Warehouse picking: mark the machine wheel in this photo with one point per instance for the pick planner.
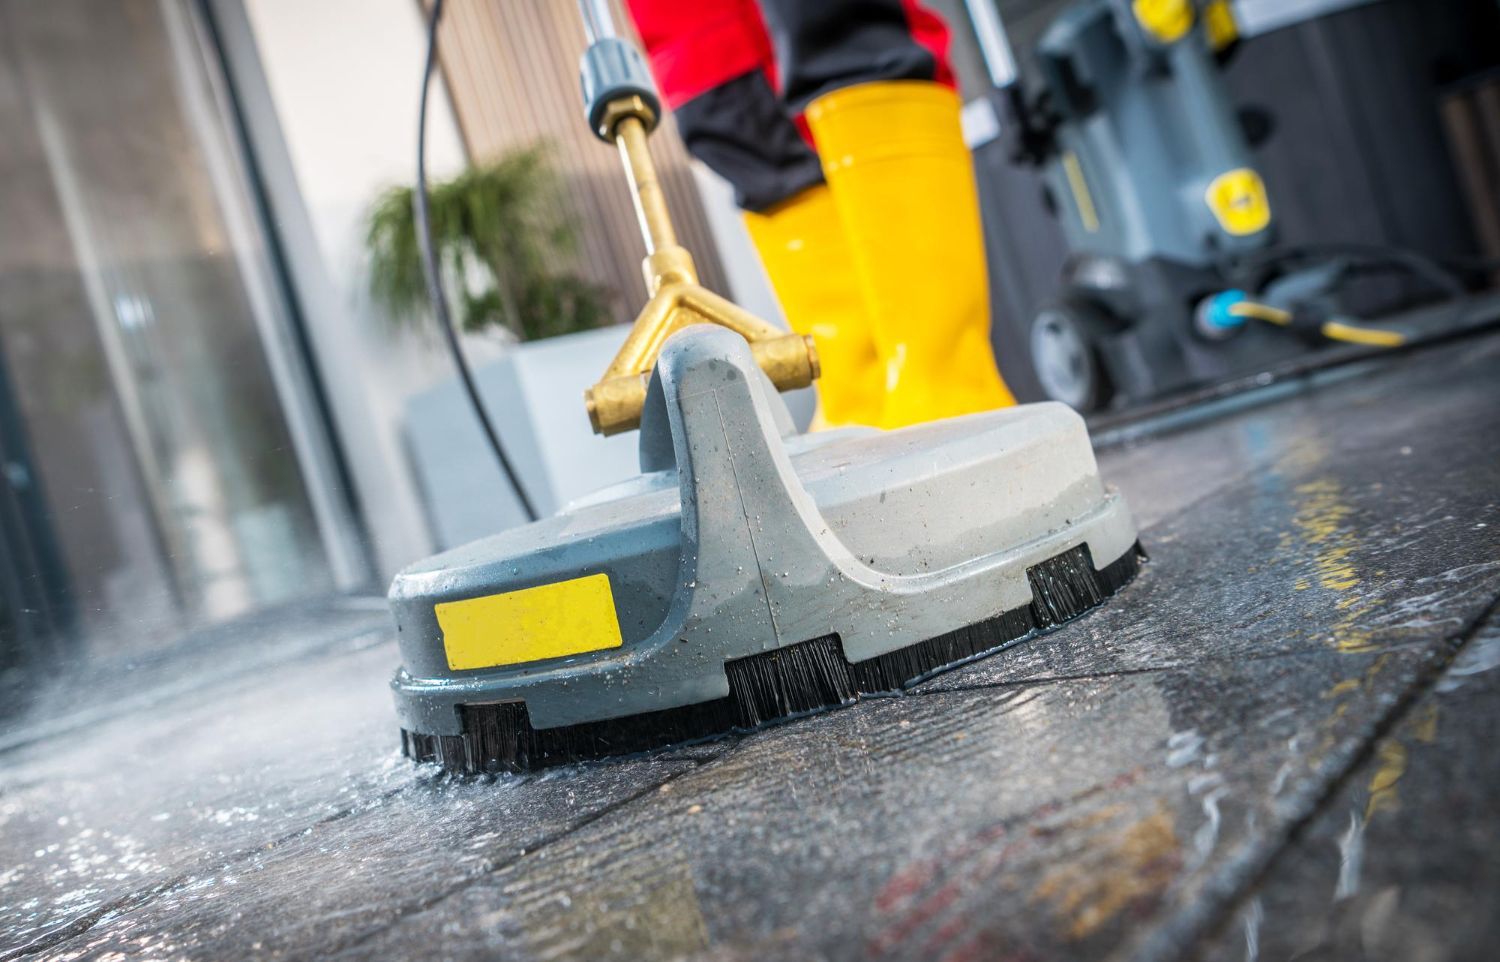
(1065, 354)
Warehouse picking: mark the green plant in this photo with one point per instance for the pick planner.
(503, 238)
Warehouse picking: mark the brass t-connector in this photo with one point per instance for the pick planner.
(677, 299)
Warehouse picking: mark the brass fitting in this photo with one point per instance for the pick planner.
(677, 299)
(614, 404)
(669, 265)
(617, 110)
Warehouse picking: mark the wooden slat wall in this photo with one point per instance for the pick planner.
(512, 72)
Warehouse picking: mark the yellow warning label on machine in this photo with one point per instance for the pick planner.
(1238, 200)
(1165, 21)
(514, 627)
(1218, 23)
(1082, 199)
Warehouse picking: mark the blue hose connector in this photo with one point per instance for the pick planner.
(1213, 318)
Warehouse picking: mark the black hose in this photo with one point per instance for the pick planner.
(1420, 265)
(1471, 264)
(434, 278)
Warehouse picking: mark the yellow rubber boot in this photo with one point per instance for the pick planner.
(801, 243)
(904, 186)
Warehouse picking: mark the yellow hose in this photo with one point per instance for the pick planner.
(1263, 312)
(1333, 330)
(1349, 333)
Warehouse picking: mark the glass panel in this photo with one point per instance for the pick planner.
(132, 329)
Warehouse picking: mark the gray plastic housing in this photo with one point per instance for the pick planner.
(755, 538)
(1148, 126)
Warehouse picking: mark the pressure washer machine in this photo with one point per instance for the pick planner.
(1148, 168)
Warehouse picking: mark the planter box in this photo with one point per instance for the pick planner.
(534, 395)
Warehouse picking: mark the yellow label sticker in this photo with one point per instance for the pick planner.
(1238, 200)
(1165, 21)
(1218, 23)
(1082, 199)
(514, 627)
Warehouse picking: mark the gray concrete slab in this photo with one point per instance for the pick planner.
(235, 797)
(1136, 784)
(1404, 861)
(1064, 819)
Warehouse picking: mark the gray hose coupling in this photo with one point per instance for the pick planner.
(613, 70)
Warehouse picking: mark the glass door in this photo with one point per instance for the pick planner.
(149, 343)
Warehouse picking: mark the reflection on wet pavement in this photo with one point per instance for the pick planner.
(1272, 744)
(1402, 862)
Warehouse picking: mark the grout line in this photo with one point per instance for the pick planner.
(1187, 933)
(1037, 682)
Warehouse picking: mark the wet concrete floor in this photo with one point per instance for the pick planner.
(1277, 743)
